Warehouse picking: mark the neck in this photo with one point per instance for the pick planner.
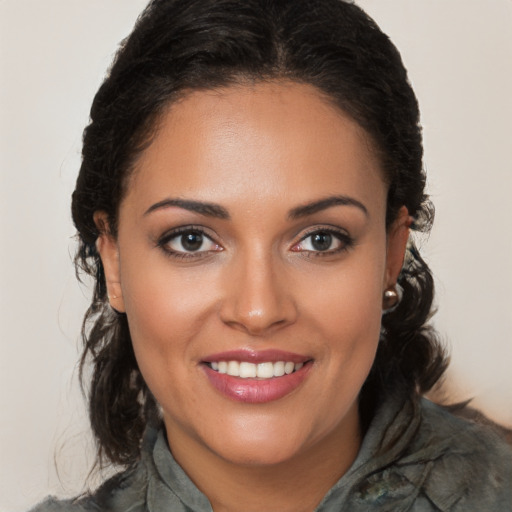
(295, 485)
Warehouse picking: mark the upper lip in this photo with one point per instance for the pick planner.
(256, 356)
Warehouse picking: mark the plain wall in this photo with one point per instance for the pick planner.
(54, 54)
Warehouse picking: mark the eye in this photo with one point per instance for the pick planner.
(328, 241)
(321, 241)
(187, 242)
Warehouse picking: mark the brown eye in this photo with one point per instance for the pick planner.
(324, 241)
(321, 241)
(190, 241)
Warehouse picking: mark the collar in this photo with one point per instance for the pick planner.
(169, 487)
(414, 453)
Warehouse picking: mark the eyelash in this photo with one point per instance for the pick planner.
(176, 233)
(346, 241)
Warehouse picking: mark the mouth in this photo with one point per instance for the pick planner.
(262, 371)
(256, 377)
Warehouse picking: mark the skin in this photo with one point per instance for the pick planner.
(259, 152)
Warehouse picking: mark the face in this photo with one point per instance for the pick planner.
(251, 260)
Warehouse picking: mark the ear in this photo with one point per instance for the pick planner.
(107, 247)
(397, 238)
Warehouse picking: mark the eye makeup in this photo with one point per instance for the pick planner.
(321, 241)
(193, 242)
(188, 242)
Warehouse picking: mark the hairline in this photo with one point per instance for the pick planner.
(144, 137)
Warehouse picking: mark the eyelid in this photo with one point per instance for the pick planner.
(163, 241)
(327, 228)
(341, 234)
(179, 230)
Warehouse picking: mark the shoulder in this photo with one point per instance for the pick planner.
(468, 466)
(124, 491)
(430, 460)
(454, 437)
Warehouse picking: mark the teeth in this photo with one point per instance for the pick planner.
(247, 370)
(233, 368)
(279, 369)
(265, 370)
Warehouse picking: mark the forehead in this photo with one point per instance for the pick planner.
(249, 142)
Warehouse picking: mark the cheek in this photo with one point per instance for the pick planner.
(166, 308)
(345, 313)
(348, 303)
(169, 312)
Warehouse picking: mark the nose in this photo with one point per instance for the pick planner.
(258, 298)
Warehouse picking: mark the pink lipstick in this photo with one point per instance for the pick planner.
(256, 376)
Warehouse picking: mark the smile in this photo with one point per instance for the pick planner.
(256, 377)
(265, 370)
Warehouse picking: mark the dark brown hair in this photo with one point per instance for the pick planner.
(182, 45)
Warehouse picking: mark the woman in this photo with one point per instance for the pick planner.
(258, 331)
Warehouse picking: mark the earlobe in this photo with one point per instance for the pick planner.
(396, 245)
(107, 248)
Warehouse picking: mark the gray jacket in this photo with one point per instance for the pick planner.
(415, 457)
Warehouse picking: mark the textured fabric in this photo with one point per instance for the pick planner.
(414, 458)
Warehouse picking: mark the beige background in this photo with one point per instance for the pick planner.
(53, 56)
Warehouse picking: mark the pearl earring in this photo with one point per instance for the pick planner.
(390, 299)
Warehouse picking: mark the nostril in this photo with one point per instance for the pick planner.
(256, 325)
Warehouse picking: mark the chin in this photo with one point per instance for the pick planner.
(267, 440)
(258, 452)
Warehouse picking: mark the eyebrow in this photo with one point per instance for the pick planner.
(323, 204)
(217, 211)
(203, 208)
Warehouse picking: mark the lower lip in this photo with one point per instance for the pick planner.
(257, 391)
